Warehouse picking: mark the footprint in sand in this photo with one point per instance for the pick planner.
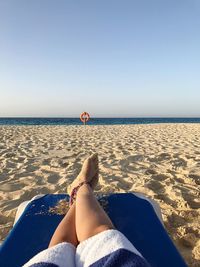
(31, 168)
(128, 165)
(193, 203)
(160, 177)
(21, 174)
(150, 171)
(188, 240)
(175, 220)
(159, 157)
(46, 162)
(57, 163)
(155, 186)
(11, 187)
(11, 165)
(135, 158)
(195, 178)
(163, 156)
(3, 176)
(39, 180)
(53, 178)
(12, 204)
(4, 219)
(28, 194)
(166, 199)
(179, 162)
(121, 182)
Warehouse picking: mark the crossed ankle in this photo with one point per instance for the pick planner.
(85, 186)
(82, 187)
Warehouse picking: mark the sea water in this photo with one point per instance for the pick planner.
(93, 121)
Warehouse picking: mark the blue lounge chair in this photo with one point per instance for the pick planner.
(136, 217)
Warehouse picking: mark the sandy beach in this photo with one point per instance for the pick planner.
(161, 161)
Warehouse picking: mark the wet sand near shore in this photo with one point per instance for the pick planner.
(159, 160)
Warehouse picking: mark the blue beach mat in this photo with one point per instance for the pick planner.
(132, 215)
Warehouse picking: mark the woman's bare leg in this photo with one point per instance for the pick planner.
(91, 219)
(66, 231)
(86, 217)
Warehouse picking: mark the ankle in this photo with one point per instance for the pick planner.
(83, 187)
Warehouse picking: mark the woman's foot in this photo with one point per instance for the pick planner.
(89, 173)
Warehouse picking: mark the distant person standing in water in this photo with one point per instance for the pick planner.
(86, 236)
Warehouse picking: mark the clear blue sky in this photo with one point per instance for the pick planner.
(108, 57)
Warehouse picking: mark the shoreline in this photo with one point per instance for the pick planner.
(99, 125)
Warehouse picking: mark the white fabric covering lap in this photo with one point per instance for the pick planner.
(87, 252)
(94, 248)
(62, 254)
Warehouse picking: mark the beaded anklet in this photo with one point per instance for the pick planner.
(74, 193)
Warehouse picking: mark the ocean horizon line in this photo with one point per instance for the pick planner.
(100, 117)
(94, 120)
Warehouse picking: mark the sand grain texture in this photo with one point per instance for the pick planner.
(161, 160)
